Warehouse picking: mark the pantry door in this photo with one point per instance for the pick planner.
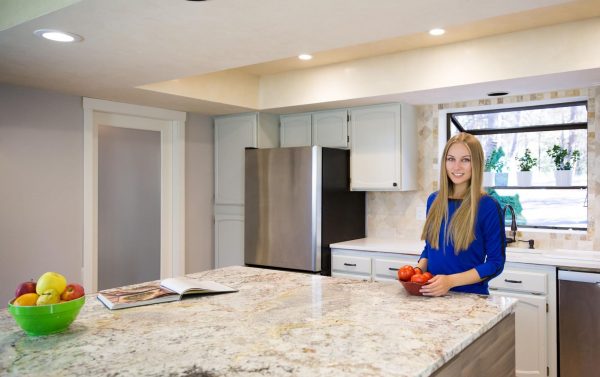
(133, 194)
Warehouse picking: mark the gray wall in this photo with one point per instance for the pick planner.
(41, 187)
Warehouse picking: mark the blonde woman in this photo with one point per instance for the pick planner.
(464, 230)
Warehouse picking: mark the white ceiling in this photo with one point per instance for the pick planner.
(129, 43)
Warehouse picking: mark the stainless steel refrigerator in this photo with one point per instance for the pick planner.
(297, 202)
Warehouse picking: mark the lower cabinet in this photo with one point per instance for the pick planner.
(229, 240)
(535, 288)
(367, 265)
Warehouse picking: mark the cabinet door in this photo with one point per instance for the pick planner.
(330, 128)
(531, 333)
(232, 135)
(296, 130)
(375, 159)
(229, 240)
(386, 269)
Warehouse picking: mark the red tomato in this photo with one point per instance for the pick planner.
(405, 273)
(418, 271)
(419, 278)
(428, 275)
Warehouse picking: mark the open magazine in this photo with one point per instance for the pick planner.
(171, 289)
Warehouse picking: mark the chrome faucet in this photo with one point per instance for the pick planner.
(513, 224)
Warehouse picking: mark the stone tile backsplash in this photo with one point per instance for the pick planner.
(401, 214)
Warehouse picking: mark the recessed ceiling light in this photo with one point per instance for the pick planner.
(57, 35)
(437, 31)
(497, 94)
(304, 57)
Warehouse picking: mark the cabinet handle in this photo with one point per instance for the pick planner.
(350, 264)
(392, 269)
(394, 184)
(513, 281)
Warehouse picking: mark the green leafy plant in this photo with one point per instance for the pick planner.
(563, 159)
(526, 162)
(494, 161)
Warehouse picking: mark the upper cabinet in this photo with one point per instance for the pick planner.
(296, 130)
(233, 134)
(322, 128)
(383, 148)
(330, 128)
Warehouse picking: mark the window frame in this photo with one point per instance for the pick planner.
(451, 121)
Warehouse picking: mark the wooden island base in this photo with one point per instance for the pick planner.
(493, 354)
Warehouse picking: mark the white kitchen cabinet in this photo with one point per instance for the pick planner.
(322, 128)
(233, 134)
(296, 130)
(351, 266)
(386, 268)
(229, 240)
(330, 128)
(367, 265)
(383, 148)
(535, 288)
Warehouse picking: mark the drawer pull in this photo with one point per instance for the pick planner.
(513, 281)
(392, 269)
(350, 264)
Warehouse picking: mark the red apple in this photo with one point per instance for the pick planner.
(71, 292)
(26, 287)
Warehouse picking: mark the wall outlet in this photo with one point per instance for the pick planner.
(421, 215)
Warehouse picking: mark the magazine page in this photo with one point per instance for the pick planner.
(184, 285)
(136, 295)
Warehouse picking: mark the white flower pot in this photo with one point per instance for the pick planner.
(563, 177)
(524, 178)
(501, 179)
(488, 179)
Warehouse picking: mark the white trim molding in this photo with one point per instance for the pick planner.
(172, 254)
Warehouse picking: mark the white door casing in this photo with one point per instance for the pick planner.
(172, 131)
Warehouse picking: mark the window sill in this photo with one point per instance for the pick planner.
(548, 231)
(534, 187)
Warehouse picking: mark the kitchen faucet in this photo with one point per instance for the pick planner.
(513, 224)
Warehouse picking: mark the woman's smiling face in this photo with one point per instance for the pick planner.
(458, 167)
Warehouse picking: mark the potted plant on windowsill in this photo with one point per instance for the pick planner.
(564, 161)
(526, 162)
(495, 163)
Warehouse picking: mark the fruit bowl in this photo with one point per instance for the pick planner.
(46, 319)
(412, 287)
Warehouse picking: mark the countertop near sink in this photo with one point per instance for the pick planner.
(278, 324)
(559, 258)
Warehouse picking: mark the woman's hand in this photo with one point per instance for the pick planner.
(438, 285)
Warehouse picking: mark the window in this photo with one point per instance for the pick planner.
(549, 141)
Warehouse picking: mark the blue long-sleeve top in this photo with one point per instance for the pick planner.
(487, 253)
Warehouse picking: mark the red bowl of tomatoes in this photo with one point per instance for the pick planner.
(412, 279)
(412, 287)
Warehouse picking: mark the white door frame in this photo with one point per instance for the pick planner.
(172, 206)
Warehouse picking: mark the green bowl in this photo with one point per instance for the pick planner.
(46, 319)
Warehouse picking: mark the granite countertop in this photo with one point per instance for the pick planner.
(556, 257)
(278, 324)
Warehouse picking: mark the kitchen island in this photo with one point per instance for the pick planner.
(278, 324)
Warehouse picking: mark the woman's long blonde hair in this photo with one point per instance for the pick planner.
(461, 230)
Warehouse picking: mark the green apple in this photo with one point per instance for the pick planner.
(49, 296)
(51, 280)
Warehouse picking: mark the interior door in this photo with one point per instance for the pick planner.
(129, 200)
